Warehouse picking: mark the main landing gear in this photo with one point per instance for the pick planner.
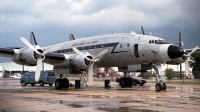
(160, 85)
(61, 83)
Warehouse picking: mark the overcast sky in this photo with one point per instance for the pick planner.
(53, 20)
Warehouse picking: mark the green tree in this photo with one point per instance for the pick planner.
(196, 65)
(169, 73)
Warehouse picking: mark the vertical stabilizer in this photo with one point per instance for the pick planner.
(32, 39)
(71, 37)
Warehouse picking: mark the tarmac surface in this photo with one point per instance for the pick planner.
(177, 98)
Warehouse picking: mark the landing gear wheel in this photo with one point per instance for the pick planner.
(50, 84)
(23, 83)
(158, 87)
(65, 83)
(32, 84)
(134, 83)
(58, 84)
(123, 83)
(164, 86)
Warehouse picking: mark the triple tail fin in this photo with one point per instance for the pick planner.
(32, 39)
(71, 37)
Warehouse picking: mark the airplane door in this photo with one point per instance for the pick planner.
(136, 53)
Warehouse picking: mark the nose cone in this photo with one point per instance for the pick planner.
(175, 52)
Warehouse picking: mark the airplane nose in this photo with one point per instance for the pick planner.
(175, 52)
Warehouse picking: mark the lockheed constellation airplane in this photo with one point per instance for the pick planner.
(129, 52)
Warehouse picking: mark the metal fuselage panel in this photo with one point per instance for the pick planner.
(124, 49)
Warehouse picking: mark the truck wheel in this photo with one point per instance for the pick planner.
(41, 83)
(50, 84)
(32, 84)
(23, 83)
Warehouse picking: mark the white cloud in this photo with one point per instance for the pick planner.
(86, 16)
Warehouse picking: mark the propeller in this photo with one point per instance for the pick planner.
(186, 57)
(40, 56)
(92, 61)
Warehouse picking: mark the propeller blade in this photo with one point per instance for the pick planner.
(80, 53)
(193, 50)
(90, 74)
(53, 49)
(38, 69)
(29, 45)
(101, 53)
(186, 68)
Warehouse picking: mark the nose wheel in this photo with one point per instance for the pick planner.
(160, 85)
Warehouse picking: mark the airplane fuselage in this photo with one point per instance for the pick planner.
(124, 49)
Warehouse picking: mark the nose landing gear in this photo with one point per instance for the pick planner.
(160, 85)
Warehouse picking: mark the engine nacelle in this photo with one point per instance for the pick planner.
(135, 68)
(176, 61)
(27, 56)
(74, 61)
(77, 61)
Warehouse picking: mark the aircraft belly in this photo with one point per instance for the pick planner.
(120, 59)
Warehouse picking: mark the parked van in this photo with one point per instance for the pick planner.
(45, 78)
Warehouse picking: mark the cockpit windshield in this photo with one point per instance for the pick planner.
(159, 41)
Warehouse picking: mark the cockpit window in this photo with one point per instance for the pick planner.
(150, 41)
(158, 41)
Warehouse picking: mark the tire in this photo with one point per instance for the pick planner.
(123, 83)
(65, 83)
(41, 83)
(58, 84)
(164, 86)
(23, 83)
(32, 84)
(50, 84)
(134, 83)
(141, 84)
(158, 87)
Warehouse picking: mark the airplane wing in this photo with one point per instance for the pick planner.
(7, 52)
(52, 58)
(189, 50)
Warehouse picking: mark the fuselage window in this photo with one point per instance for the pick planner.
(120, 45)
(156, 41)
(152, 41)
(128, 45)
